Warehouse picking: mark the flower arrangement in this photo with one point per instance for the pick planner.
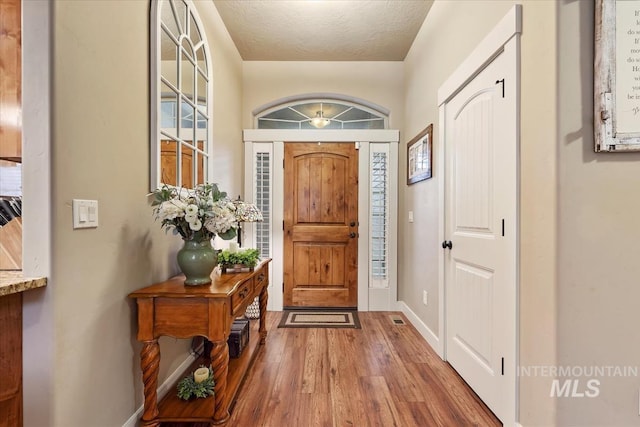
(197, 214)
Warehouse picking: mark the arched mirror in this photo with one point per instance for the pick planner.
(181, 93)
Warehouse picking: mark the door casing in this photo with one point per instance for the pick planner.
(369, 299)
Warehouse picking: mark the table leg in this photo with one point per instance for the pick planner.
(264, 296)
(150, 364)
(220, 368)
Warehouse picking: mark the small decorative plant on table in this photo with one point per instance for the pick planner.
(199, 384)
(240, 260)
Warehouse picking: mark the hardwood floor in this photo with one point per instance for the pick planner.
(381, 375)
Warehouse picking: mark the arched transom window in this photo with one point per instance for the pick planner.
(321, 114)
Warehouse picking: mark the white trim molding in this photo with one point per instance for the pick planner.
(368, 298)
(329, 135)
(487, 49)
(38, 316)
(424, 330)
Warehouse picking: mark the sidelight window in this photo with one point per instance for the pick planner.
(379, 216)
(262, 198)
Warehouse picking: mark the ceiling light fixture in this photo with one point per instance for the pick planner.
(319, 120)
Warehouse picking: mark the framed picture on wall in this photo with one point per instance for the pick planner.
(419, 156)
(617, 76)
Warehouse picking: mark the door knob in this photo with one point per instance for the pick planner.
(352, 235)
(352, 224)
(447, 244)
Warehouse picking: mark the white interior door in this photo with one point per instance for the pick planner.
(480, 232)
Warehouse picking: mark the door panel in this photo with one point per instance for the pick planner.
(320, 244)
(480, 267)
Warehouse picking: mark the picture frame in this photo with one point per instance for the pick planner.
(616, 64)
(420, 156)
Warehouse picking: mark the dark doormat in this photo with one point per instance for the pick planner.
(320, 319)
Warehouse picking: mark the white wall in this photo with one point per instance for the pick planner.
(37, 313)
(450, 32)
(100, 150)
(598, 238)
(377, 82)
(433, 56)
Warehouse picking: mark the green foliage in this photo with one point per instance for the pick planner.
(197, 214)
(248, 257)
(188, 387)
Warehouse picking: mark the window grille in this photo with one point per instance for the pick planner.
(337, 115)
(379, 221)
(263, 201)
(182, 92)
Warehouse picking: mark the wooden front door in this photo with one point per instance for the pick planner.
(320, 225)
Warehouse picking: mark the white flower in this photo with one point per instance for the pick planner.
(191, 210)
(196, 225)
(191, 218)
(200, 213)
(222, 219)
(171, 209)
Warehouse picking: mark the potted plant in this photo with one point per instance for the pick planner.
(197, 215)
(242, 259)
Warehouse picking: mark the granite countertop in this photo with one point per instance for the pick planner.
(12, 282)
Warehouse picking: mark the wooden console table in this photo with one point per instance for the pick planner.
(170, 308)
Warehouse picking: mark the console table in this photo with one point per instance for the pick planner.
(170, 308)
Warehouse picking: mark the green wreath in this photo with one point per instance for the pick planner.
(188, 387)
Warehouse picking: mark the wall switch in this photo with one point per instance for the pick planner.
(85, 213)
(425, 297)
(410, 216)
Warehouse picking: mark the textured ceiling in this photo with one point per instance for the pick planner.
(323, 30)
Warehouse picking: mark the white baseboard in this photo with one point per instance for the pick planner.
(431, 338)
(162, 390)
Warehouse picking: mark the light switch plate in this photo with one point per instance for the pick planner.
(85, 213)
(410, 216)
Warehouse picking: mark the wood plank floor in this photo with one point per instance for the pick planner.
(381, 375)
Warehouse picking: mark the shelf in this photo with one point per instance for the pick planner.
(172, 408)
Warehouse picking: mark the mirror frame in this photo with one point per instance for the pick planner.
(155, 74)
